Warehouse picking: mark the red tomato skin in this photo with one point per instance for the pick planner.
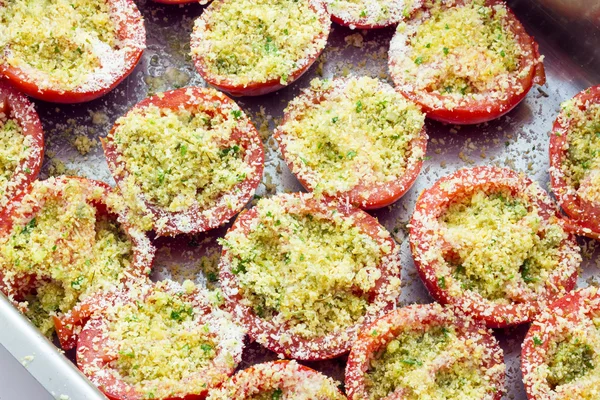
(367, 345)
(16, 105)
(299, 348)
(476, 112)
(583, 216)
(252, 89)
(256, 156)
(30, 87)
(533, 354)
(256, 88)
(386, 194)
(435, 200)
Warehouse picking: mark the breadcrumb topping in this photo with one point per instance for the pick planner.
(164, 340)
(349, 133)
(180, 158)
(255, 41)
(501, 245)
(436, 364)
(306, 271)
(370, 12)
(14, 148)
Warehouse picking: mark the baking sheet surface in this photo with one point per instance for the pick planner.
(518, 140)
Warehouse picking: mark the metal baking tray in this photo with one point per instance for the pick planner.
(568, 32)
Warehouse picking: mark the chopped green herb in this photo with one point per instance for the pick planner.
(412, 361)
(206, 347)
(442, 281)
(76, 284)
(29, 227)
(359, 106)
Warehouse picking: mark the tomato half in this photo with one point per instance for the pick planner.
(470, 110)
(565, 316)
(255, 88)
(97, 353)
(16, 106)
(365, 195)
(584, 215)
(382, 297)
(142, 249)
(281, 379)
(364, 15)
(374, 339)
(131, 38)
(425, 240)
(198, 219)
